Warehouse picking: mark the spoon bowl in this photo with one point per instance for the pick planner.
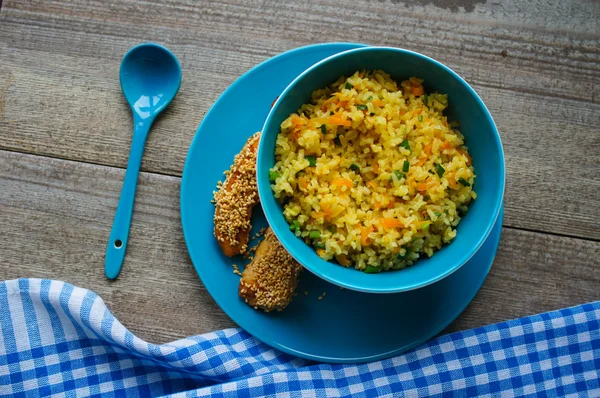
(150, 78)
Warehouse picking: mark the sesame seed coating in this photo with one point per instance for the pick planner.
(236, 270)
(235, 199)
(270, 280)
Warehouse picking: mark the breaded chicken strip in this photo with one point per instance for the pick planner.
(235, 200)
(270, 280)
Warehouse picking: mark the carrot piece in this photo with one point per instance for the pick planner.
(378, 102)
(377, 205)
(421, 187)
(343, 260)
(343, 182)
(327, 101)
(446, 145)
(326, 209)
(320, 252)
(452, 181)
(364, 236)
(469, 160)
(390, 205)
(421, 161)
(303, 183)
(427, 149)
(297, 121)
(317, 214)
(372, 184)
(338, 121)
(418, 91)
(391, 223)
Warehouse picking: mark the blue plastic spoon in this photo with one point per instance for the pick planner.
(150, 77)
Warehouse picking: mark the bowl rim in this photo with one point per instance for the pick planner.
(264, 187)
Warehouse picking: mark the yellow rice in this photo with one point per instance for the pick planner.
(390, 177)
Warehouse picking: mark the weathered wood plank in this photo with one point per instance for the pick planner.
(56, 216)
(544, 40)
(59, 76)
(534, 273)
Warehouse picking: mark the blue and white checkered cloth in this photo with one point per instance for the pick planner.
(61, 340)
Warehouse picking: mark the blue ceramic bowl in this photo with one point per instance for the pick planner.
(481, 136)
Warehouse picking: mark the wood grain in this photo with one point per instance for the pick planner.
(56, 217)
(61, 60)
(534, 273)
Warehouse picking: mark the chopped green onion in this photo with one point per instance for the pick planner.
(362, 107)
(426, 99)
(372, 113)
(399, 175)
(314, 234)
(319, 245)
(405, 255)
(426, 226)
(331, 228)
(420, 118)
(323, 129)
(370, 98)
(404, 144)
(273, 175)
(406, 166)
(462, 210)
(332, 113)
(354, 167)
(464, 182)
(311, 160)
(440, 170)
(426, 198)
(337, 141)
(431, 172)
(372, 270)
(295, 225)
(349, 86)
(437, 214)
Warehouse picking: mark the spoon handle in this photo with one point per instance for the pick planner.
(117, 242)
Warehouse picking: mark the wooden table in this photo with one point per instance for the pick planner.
(65, 131)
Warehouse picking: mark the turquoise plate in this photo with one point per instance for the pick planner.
(345, 326)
